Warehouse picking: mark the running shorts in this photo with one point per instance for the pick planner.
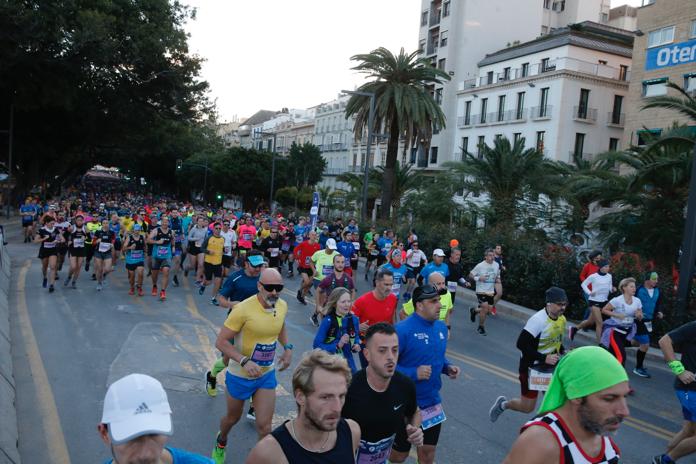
(46, 252)
(687, 399)
(103, 254)
(193, 249)
(524, 385)
(212, 270)
(305, 270)
(484, 298)
(243, 389)
(134, 266)
(78, 252)
(158, 263)
(226, 261)
(430, 437)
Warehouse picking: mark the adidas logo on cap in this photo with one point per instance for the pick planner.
(142, 409)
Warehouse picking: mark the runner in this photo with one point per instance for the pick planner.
(486, 274)
(623, 311)
(585, 403)
(134, 247)
(303, 254)
(196, 236)
(498, 250)
(176, 224)
(213, 248)
(230, 237)
(322, 266)
(346, 248)
(384, 244)
(63, 227)
(338, 331)
(597, 286)
(256, 324)
(684, 339)
(355, 258)
(162, 241)
(77, 235)
(649, 296)
(438, 281)
(436, 265)
(372, 253)
(398, 270)
(415, 260)
(115, 227)
(541, 345)
(336, 279)
(103, 243)
(287, 238)
(456, 273)
(318, 434)
(379, 305)
(270, 246)
(28, 213)
(383, 401)
(93, 226)
(422, 347)
(49, 237)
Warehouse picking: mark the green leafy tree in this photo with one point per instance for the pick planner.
(404, 106)
(304, 166)
(405, 181)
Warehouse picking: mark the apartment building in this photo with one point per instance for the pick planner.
(284, 126)
(563, 93)
(455, 34)
(664, 51)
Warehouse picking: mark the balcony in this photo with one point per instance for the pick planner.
(432, 47)
(337, 171)
(583, 156)
(615, 119)
(585, 114)
(463, 121)
(539, 113)
(333, 147)
(434, 17)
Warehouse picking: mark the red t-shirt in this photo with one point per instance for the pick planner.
(371, 310)
(303, 253)
(587, 270)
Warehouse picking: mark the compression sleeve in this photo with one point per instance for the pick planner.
(528, 345)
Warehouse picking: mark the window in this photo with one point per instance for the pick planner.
(506, 74)
(516, 137)
(424, 18)
(414, 155)
(644, 136)
(479, 146)
(605, 18)
(438, 96)
(613, 144)
(443, 38)
(484, 108)
(661, 37)
(543, 102)
(467, 113)
(445, 9)
(433, 155)
(441, 64)
(489, 77)
(525, 69)
(436, 128)
(547, 4)
(465, 147)
(501, 107)
(583, 103)
(545, 65)
(655, 87)
(616, 109)
(579, 144)
(540, 135)
(421, 45)
(498, 137)
(690, 82)
(519, 112)
(693, 28)
(544, 30)
(623, 72)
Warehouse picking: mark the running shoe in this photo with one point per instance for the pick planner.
(572, 331)
(300, 298)
(314, 320)
(175, 281)
(497, 408)
(87, 266)
(472, 314)
(149, 272)
(51, 289)
(309, 293)
(131, 291)
(74, 284)
(67, 281)
(154, 290)
(218, 452)
(99, 287)
(481, 330)
(214, 301)
(642, 372)
(494, 312)
(251, 414)
(45, 283)
(291, 274)
(94, 276)
(185, 272)
(210, 384)
(659, 459)
(163, 295)
(201, 289)
(140, 291)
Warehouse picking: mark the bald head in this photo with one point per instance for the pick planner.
(437, 280)
(270, 276)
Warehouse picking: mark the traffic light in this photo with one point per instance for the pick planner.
(219, 196)
(179, 164)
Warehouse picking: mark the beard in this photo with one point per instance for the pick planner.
(590, 422)
(317, 421)
(271, 300)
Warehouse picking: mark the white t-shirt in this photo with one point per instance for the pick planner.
(414, 257)
(491, 272)
(627, 310)
(601, 286)
(230, 238)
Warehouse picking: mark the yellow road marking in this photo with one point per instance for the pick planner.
(55, 440)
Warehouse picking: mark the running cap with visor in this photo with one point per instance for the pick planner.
(331, 244)
(425, 292)
(255, 260)
(438, 252)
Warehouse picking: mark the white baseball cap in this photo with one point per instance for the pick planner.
(136, 405)
(438, 252)
(331, 244)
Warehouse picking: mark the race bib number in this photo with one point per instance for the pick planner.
(299, 239)
(539, 380)
(432, 416)
(198, 243)
(648, 326)
(263, 355)
(78, 243)
(104, 247)
(374, 252)
(374, 453)
(177, 239)
(327, 270)
(285, 247)
(627, 320)
(274, 252)
(49, 244)
(396, 287)
(163, 252)
(246, 237)
(227, 250)
(451, 286)
(136, 255)
(356, 245)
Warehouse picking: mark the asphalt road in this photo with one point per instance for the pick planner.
(69, 345)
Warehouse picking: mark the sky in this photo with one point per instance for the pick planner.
(271, 54)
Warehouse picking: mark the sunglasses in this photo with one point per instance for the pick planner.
(218, 228)
(273, 287)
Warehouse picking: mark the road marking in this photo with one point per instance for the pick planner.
(55, 440)
(632, 422)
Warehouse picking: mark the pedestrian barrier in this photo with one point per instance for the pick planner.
(8, 416)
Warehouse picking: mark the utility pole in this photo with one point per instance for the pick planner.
(370, 125)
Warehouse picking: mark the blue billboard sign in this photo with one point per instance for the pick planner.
(671, 55)
(314, 211)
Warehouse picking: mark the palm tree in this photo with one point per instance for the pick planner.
(507, 173)
(403, 103)
(355, 188)
(406, 179)
(684, 104)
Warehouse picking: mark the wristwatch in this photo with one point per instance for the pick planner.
(288, 346)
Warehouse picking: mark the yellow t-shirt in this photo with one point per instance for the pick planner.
(323, 263)
(445, 301)
(257, 333)
(215, 246)
(263, 233)
(127, 223)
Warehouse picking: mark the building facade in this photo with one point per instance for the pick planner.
(563, 93)
(664, 51)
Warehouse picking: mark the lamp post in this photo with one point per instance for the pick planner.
(273, 159)
(180, 164)
(370, 124)
(10, 135)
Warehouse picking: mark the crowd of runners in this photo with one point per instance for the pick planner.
(370, 389)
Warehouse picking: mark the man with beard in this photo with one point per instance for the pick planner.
(383, 401)
(586, 402)
(318, 434)
(256, 325)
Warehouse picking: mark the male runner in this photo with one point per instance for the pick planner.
(162, 239)
(683, 338)
(103, 242)
(303, 254)
(422, 347)
(438, 281)
(415, 260)
(322, 266)
(230, 237)
(649, 296)
(270, 246)
(436, 265)
(28, 213)
(585, 403)
(77, 235)
(541, 344)
(384, 244)
(383, 401)
(398, 270)
(456, 273)
(256, 324)
(337, 278)
(486, 274)
(177, 226)
(134, 247)
(318, 434)
(346, 248)
(213, 248)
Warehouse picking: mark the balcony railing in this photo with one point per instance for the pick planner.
(463, 121)
(333, 147)
(584, 156)
(615, 119)
(540, 112)
(342, 170)
(434, 17)
(585, 114)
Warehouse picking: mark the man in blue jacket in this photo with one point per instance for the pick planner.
(649, 296)
(422, 347)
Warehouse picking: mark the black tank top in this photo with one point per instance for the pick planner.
(342, 452)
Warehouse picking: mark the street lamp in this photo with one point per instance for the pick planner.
(273, 159)
(370, 124)
(10, 134)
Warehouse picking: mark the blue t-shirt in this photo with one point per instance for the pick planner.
(346, 249)
(322, 240)
(384, 245)
(301, 233)
(239, 286)
(432, 267)
(25, 209)
(181, 457)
